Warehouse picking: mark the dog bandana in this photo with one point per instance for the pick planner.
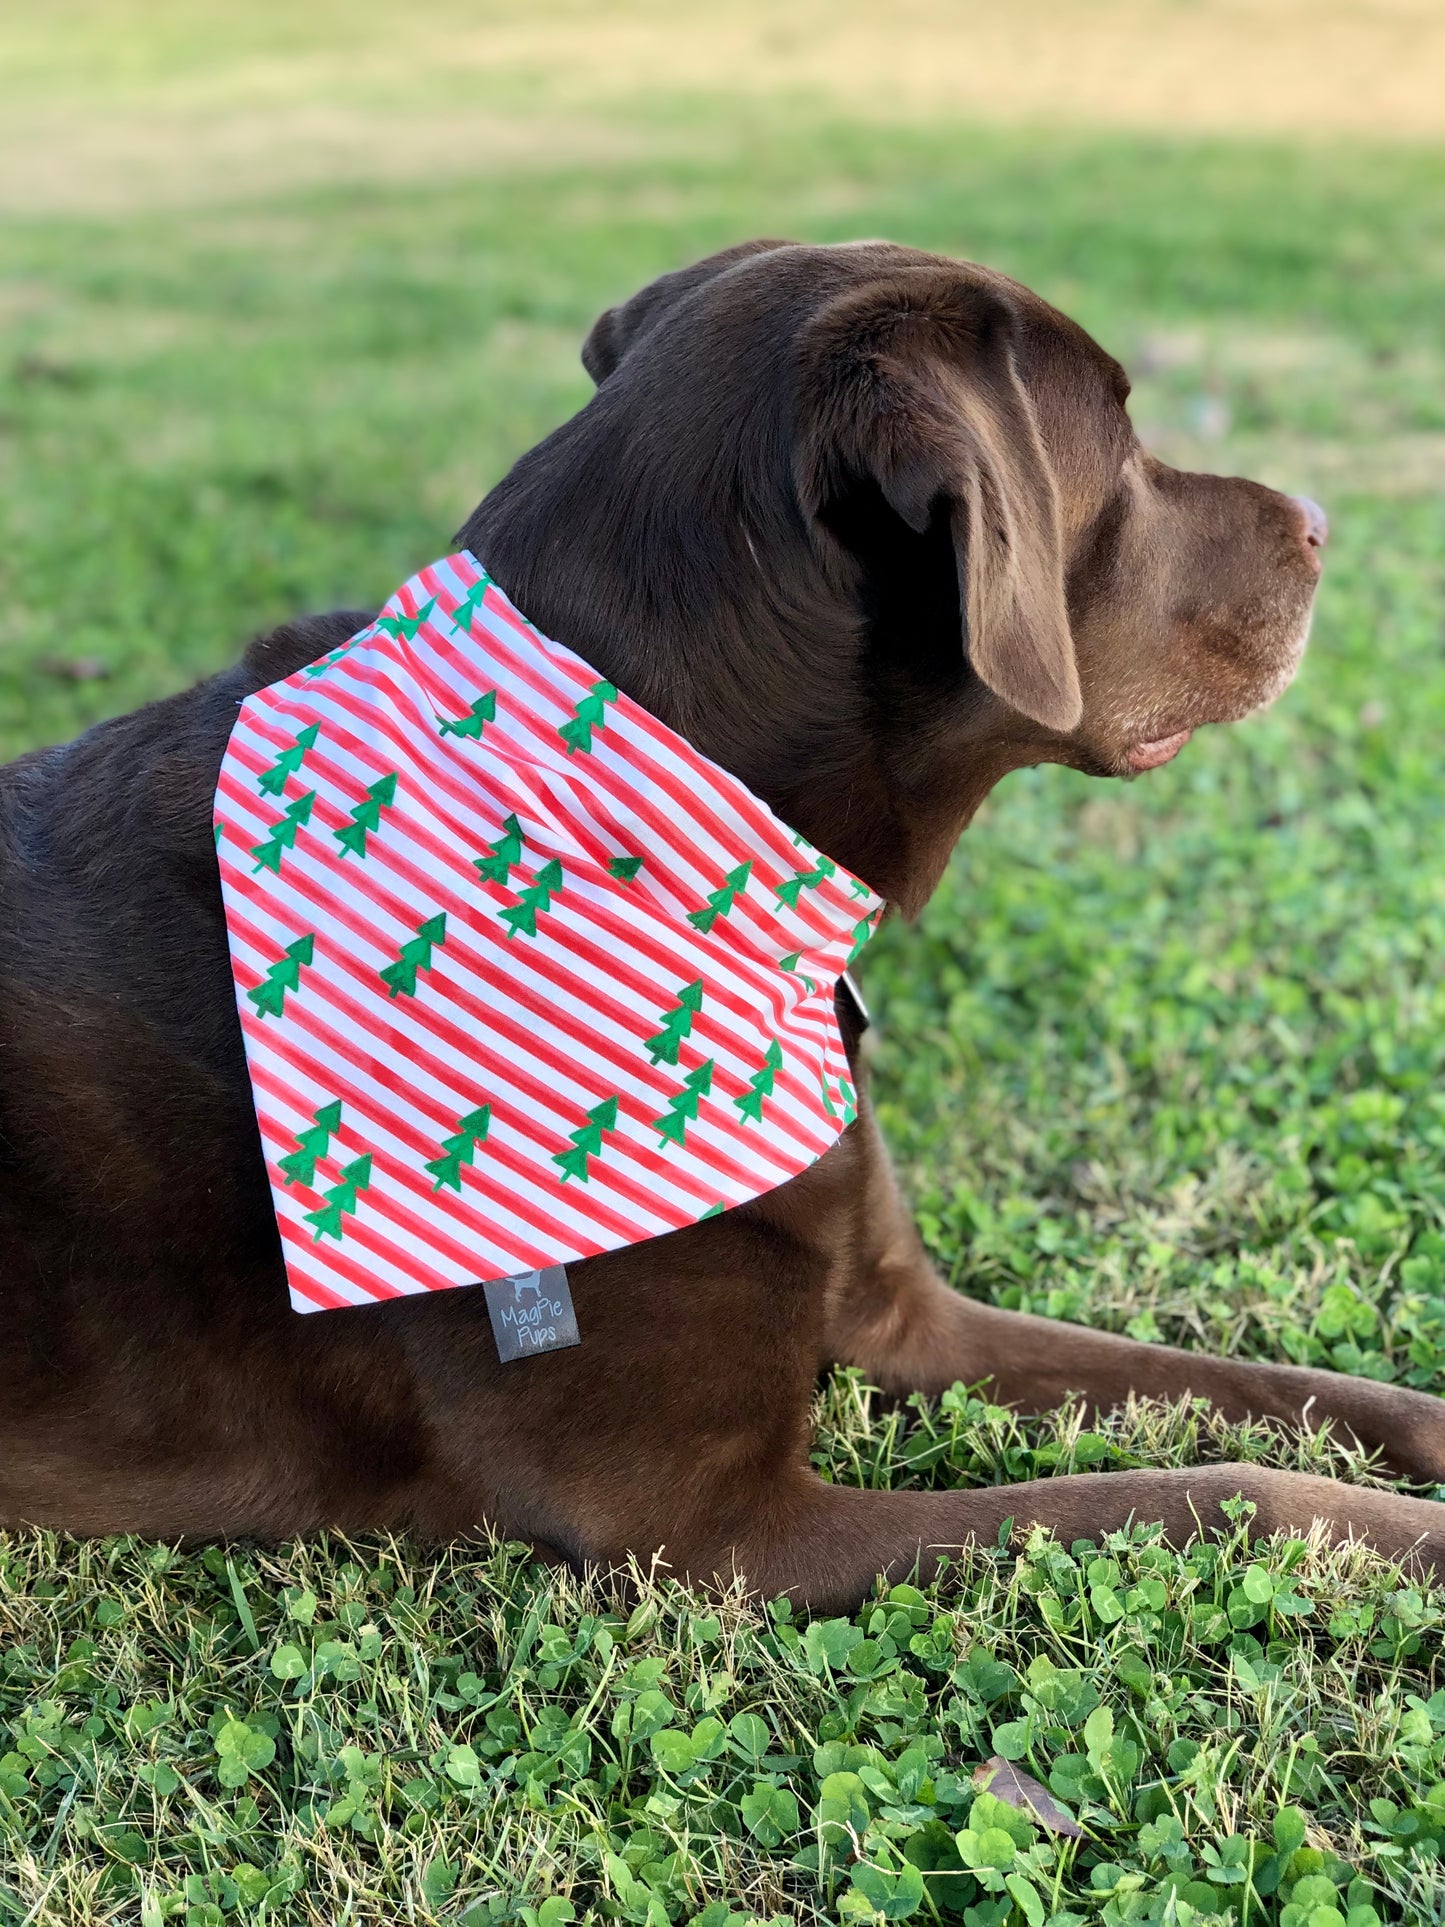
(523, 977)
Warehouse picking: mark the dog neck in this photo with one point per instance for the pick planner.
(752, 642)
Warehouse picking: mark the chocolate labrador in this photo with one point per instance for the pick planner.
(871, 528)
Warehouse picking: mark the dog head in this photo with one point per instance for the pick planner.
(872, 527)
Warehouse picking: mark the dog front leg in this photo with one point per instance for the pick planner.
(826, 1544)
(887, 1310)
(893, 1317)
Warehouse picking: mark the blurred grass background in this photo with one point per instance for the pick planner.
(283, 290)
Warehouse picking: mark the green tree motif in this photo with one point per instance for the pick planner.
(846, 1107)
(269, 996)
(366, 815)
(576, 732)
(482, 712)
(340, 1199)
(323, 663)
(760, 1084)
(861, 933)
(272, 781)
(624, 868)
(676, 1024)
(299, 1166)
(713, 1211)
(416, 954)
(281, 836)
(501, 855)
(858, 888)
(723, 898)
(469, 605)
(457, 1149)
(404, 628)
(535, 899)
(790, 965)
(789, 890)
(587, 1140)
(682, 1106)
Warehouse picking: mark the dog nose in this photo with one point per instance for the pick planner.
(1317, 523)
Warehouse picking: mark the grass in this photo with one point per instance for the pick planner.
(1164, 1056)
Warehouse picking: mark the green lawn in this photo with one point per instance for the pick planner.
(1164, 1056)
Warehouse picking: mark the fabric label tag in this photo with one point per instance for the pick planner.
(531, 1313)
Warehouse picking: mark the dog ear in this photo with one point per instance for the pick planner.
(602, 350)
(911, 383)
(618, 329)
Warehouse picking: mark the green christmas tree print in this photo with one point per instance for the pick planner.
(457, 1149)
(366, 815)
(340, 1199)
(624, 868)
(272, 781)
(789, 890)
(676, 1024)
(861, 933)
(269, 996)
(404, 628)
(299, 1166)
(501, 855)
(682, 1107)
(587, 1140)
(416, 954)
(576, 732)
(521, 918)
(760, 1084)
(790, 964)
(713, 1211)
(723, 898)
(281, 837)
(858, 887)
(846, 1106)
(323, 663)
(482, 712)
(465, 613)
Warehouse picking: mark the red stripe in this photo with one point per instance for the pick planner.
(812, 914)
(649, 727)
(446, 1120)
(784, 1013)
(411, 1264)
(394, 859)
(459, 916)
(756, 819)
(340, 1261)
(661, 826)
(785, 1018)
(478, 1053)
(540, 1223)
(754, 816)
(305, 1286)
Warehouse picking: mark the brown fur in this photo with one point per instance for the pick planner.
(871, 528)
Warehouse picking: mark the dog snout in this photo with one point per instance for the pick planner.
(1316, 530)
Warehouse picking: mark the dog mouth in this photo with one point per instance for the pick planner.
(1153, 755)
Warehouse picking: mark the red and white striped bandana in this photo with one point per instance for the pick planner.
(522, 976)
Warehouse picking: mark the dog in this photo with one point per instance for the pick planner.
(870, 528)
